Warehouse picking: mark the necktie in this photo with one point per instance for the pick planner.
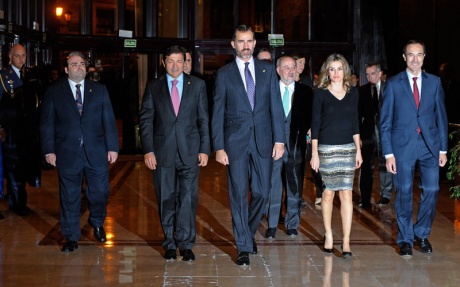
(175, 97)
(416, 96)
(375, 99)
(78, 98)
(250, 87)
(286, 101)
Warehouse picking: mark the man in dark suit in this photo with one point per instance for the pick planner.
(18, 118)
(370, 99)
(297, 102)
(413, 126)
(79, 135)
(174, 128)
(247, 133)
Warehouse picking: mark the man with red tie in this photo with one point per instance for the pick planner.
(413, 126)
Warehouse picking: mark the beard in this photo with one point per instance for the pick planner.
(245, 53)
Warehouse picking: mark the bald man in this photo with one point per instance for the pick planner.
(18, 107)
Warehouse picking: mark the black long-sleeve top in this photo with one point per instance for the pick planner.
(335, 121)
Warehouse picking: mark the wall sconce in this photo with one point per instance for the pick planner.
(67, 16)
(59, 11)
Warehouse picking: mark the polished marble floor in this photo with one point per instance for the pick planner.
(30, 246)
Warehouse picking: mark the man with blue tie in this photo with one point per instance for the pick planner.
(413, 126)
(247, 134)
(289, 170)
(79, 136)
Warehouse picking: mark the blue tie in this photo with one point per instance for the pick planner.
(250, 87)
(286, 101)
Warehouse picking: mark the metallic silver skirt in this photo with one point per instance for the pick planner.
(337, 165)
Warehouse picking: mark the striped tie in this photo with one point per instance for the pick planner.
(78, 98)
(250, 87)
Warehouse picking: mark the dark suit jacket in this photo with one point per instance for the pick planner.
(300, 118)
(368, 112)
(8, 106)
(399, 117)
(61, 125)
(188, 133)
(233, 120)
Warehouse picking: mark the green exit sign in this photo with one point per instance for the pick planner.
(130, 43)
(276, 42)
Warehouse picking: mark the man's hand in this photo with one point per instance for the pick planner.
(222, 157)
(278, 150)
(112, 156)
(442, 159)
(51, 159)
(150, 160)
(202, 159)
(391, 165)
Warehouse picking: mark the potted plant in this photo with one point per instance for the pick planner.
(452, 173)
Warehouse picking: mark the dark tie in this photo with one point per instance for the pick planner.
(416, 96)
(250, 87)
(21, 73)
(175, 96)
(78, 98)
(375, 98)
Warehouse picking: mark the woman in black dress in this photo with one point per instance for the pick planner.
(336, 151)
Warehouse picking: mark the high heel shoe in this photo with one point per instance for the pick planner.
(345, 254)
(327, 250)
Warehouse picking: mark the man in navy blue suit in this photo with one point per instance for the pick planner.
(413, 126)
(79, 136)
(247, 134)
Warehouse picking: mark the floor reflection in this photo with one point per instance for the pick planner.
(133, 256)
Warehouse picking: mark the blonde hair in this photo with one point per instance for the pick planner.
(324, 80)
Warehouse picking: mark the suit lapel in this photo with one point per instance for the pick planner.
(238, 83)
(166, 95)
(260, 82)
(185, 92)
(404, 81)
(70, 98)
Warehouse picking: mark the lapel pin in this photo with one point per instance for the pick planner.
(263, 71)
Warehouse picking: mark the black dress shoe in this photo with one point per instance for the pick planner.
(70, 246)
(327, 250)
(405, 249)
(1, 216)
(270, 234)
(292, 232)
(170, 254)
(384, 201)
(187, 255)
(365, 205)
(345, 254)
(254, 246)
(424, 245)
(243, 258)
(99, 234)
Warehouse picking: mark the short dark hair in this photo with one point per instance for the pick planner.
(411, 42)
(175, 49)
(187, 50)
(297, 56)
(242, 28)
